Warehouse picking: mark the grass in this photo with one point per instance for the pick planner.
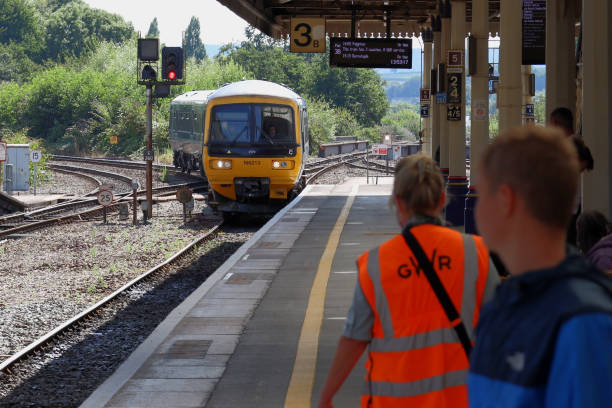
(166, 156)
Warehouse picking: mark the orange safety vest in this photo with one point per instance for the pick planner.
(415, 356)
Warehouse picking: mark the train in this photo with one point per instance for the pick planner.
(249, 139)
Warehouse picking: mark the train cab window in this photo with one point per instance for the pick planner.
(273, 124)
(230, 124)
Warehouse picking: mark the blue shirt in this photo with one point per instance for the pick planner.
(545, 341)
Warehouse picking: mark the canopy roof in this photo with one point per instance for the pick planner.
(406, 17)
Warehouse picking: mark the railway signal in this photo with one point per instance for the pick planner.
(172, 63)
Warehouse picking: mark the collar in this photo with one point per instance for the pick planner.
(420, 219)
(535, 281)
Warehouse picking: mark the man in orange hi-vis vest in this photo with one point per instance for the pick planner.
(416, 303)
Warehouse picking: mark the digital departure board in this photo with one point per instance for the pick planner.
(534, 32)
(370, 53)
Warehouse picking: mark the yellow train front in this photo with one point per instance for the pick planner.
(255, 146)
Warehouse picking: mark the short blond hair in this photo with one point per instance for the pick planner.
(541, 165)
(418, 183)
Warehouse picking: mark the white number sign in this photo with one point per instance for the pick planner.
(35, 156)
(105, 197)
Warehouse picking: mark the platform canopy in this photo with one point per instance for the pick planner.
(406, 17)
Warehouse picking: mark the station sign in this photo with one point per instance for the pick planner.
(105, 197)
(454, 88)
(380, 149)
(424, 111)
(371, 53)
(529, 110)
(425, 95)
(441, 98)
(2, 151)
(307, 35)
(35, 156)
(454, 61)
(453, 112)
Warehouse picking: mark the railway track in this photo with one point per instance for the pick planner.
(68, 211)
(46, 340)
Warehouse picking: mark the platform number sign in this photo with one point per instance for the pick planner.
(105, 197)
(453, 112)
(454, 88)
(308, 35)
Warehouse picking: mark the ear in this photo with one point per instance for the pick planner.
(399, 204)
(442, 201)
(506, 200)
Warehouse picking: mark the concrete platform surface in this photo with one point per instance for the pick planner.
(263, 329)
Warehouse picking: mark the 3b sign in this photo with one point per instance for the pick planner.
(308, 35)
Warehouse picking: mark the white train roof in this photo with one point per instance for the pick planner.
(256, 88)
(193, 97)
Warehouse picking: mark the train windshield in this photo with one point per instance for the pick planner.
(261, 129)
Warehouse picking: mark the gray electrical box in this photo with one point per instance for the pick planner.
(16, 168)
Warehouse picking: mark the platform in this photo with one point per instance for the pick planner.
(263, 329)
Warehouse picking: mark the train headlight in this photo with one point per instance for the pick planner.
(221, 164)
(283, 164)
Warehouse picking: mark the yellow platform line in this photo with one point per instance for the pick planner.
(301, 384)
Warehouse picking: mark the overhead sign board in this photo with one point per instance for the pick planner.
(307, 35)
(534, 32)
(370, 53)
(380, 149)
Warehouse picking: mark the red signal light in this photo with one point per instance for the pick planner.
(171, 75)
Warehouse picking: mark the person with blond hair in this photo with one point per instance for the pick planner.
(545, 340)
(416, 302)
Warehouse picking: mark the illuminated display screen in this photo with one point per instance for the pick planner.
(534, 32)
(370, 53)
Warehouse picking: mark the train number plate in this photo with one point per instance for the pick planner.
(252, 163)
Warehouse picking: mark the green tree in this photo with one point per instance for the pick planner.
(153, 29)
(76, 29)
(19, 21)
(193, 43)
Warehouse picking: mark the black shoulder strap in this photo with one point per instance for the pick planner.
(438, 288)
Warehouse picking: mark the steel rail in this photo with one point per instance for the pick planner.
(123, 197)
(50, 336)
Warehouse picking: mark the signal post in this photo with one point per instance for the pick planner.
(172, 74)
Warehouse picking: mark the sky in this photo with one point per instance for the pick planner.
(218, 25)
